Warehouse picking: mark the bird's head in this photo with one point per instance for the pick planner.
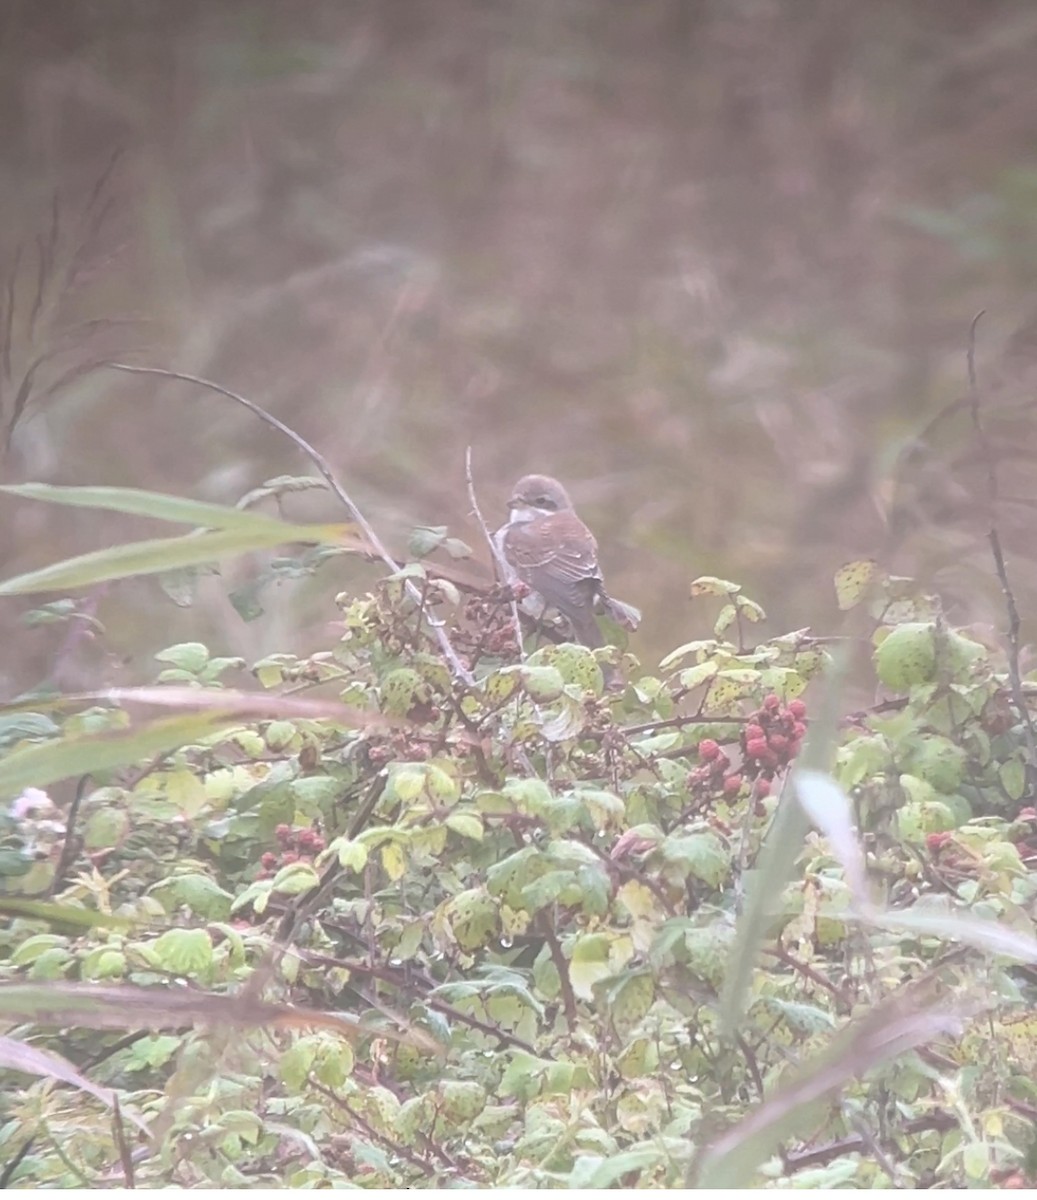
(538, 496)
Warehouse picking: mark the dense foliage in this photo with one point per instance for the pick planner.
(401, 929)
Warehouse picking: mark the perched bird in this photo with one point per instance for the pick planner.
(546, 546)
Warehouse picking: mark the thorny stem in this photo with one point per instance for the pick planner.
(501, 566)
(994, 538)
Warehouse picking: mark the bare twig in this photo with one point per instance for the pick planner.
(751, 1063)
(562, 967)
(498, 559)
(994, 538)
(125, 1156)
(817, 1155)
(14, 1162)
(324, 467)
(7, 338)
(71, 846)
(872, 1144)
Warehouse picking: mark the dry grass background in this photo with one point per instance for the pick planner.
(713, 262)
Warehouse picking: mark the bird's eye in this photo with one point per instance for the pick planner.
(544, 502)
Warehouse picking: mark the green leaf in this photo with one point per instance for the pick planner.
(184, 951)
(424, 539)
(589, 964)
(295, 878)
(468, 825)
(28, 725)
(351, 855)
(202, 895)
(188, 656)
(701, 854)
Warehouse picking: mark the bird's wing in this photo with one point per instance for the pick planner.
(549, 545)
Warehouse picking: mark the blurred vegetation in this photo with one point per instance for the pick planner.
(713, 263)
(538, 918)
(451, 914)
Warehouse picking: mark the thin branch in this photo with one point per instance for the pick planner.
(498, 558)
(13, 1163)
(797, 1160)
(994, 538)
(125, 1155)
(71, 847)
(399, 1149)
(562, 967)
(7, 338)
(871, 1143)
(324, 467)
(752, 1064)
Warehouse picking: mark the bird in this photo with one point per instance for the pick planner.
(546, 546)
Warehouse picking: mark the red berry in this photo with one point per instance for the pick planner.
(936, 841)
(762, 787)
(753, 731)
(289, 856)
(778, 743)
(708, 749)
(732, 785)
(319, 843)
(798, 709)
(756, 748)
(771, 702)
(794, 747)
(284, 832)
(269, 859)
(799, 731)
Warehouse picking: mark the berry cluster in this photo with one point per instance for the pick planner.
(773, 736)
(297, 845)
(771, 739)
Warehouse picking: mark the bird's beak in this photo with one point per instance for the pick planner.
(514, 502)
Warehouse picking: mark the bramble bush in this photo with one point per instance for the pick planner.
(361, 920)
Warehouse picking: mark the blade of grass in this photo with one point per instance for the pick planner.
(158, 505)
(165, 554)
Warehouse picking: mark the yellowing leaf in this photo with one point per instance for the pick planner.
(709, 585)
(351, 855)
(852, 581)
(639, 901)
(185, 790)
(394, 860)
(590, 964)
